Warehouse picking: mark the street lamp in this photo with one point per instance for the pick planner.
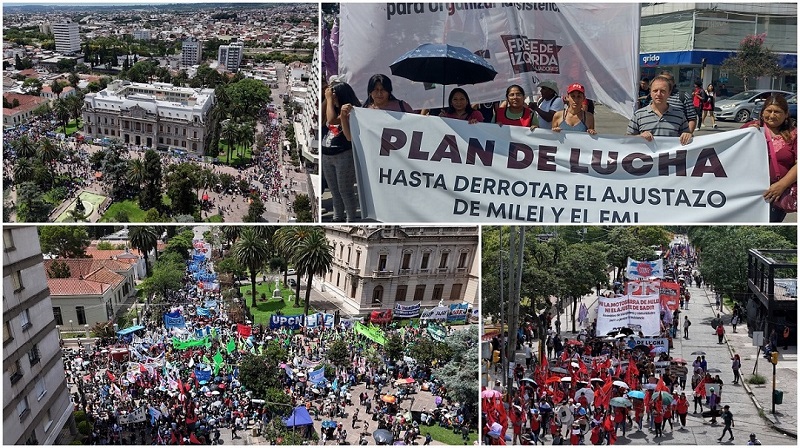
(70, 325)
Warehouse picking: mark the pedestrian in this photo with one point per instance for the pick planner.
(428, 439)
(712, 401)
(720, 333)
(734, 322)
(686, 324)
(753, 440)
(736, 364)
(682, 408)
(727, 418)
(660, 118)
(786, 333)
(658, 419)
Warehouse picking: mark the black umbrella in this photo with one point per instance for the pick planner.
(714, 370)
(443, 64)
(383, 437)
(628, 331)
(698, 353)
(558, 370)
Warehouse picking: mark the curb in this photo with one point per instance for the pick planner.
(792, 432)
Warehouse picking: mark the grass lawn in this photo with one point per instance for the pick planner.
(215, 218)
(135, 214)
(447, 436)
(72, 127)
(265, 309)
(235, 159)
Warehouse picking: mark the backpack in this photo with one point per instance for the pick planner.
(689, 324)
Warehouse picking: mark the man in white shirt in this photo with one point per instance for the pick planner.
(548, 104)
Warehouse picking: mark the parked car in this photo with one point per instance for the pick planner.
(740, 107)
(792, 100)
(291, 272)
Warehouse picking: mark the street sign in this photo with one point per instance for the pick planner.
(758, 338)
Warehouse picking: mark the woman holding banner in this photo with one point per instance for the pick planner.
(379, 95)
(459, 107)
(337, 150)
(781, 135)
(515, 112)
(574, 118)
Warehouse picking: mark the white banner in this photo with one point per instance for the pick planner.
(133, 417)
(437, 313)
(643, 270)
(595, 44)
(639, 313)
(489, 173)
(648, 341)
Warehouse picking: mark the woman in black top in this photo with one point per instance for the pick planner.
(337, 153)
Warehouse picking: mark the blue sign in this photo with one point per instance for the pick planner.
(458, 312)
(174, 320)
(293, 322)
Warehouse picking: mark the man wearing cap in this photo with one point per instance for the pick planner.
(549, 104)
(660, 118)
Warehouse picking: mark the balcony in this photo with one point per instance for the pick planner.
(461, 270)
(352, 271)
(16, 376)
(405, 271)
(382, 274)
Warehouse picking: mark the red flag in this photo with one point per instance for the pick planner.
(142, 368)
(661, 386)
(244, 330)
(111, 376)
(193, 440)
(701, 388)
(606, 390)
(582, 367)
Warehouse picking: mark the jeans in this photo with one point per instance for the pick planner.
(340, 172)
(776, 214)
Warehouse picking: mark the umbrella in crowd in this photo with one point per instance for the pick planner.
(588, 393)
(443, 64)
(490, 393)
(636, 394)
(620, 402)
(383, 437)
(699, 353)
(666, 396)
(329, 424)
(622, 384)
(558, 370)
(679, 360)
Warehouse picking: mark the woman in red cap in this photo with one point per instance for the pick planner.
(574, 118)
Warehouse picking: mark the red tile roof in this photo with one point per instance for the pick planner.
(26, 102)
(75, 287)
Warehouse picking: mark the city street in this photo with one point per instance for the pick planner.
(748, 402)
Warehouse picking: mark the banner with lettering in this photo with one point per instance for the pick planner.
(488, 173)
(457, 313)
(437, 332)
(371, 332)
(643, 270)
(670, 294)
(406, 311)
(291, 322)
(135, 416)
(637, 312)
(437, 313)
(174, 320)
(526, 43)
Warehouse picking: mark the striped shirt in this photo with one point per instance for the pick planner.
(686, 106)
(672, 124)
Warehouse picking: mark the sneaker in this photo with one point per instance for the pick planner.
(715, 126)
(719, 440)
(730, 439)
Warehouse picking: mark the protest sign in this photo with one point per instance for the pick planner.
(406, 311)
(437, 313)
(487, 173)
(639, 313)
(643, 270)
(526, 43)
(292, 322)
(458, 313)
(670, 295)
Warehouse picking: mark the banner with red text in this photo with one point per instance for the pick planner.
(413, 168)
(595, 44)
(639, 313)
(670, 295)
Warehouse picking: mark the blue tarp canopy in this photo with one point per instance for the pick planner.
(299, 417)
(130, 330)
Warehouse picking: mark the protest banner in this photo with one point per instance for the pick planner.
(317, 376)
(174, 320)
(292, 322)
(643, 270)
(648, 341)
(436, 313)
(526, 43)
(639, 313)
(135, 416)
(437, 332)
(406, 311)
(488, 173)
(457, 313)
(372, 333)
(670, 293)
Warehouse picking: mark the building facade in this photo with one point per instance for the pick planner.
(23, 112)
(375, 267)
(36, 400)
(308, 120)
(156, 115)
(191, 52)
(143, 34)
(67, 39)
(693, 39)
(231, 55)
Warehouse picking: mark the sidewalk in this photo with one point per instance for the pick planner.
(785, 417)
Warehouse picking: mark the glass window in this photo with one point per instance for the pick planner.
(425, 259)
(22, 407)
(57, 315)
(419, 292)
(16, 281)
(33, 355)
(437, 292)
(25, 319)
(455, 292)
(81, 313)
(401, 293)
(462, 260)
(41, 389)
(406, 261)
(7, 336)
(377, 295)
(443, 261)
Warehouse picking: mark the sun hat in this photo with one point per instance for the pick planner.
(550, 85)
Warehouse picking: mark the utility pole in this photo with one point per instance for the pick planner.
(516, 256)
(502, 316)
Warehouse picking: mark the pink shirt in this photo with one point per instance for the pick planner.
(474, 115)
(785, 153)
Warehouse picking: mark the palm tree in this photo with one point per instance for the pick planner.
(144, 239)
(23, 171)
(136, 172)
(246, 136)
(251, 251)
(48, 151)
(62, 112)
(287, 239)
(25, 147)
(313, 256)
(231, 233)
(230, 129)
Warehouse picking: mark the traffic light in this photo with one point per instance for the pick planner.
(774, 359)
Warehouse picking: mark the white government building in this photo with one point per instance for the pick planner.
(375, 267)
(150, 115)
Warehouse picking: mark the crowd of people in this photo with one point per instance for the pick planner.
(597, 387)
(176, 378)
(663, 112)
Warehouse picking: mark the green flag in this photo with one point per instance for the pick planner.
(218, 362)
(206, 361)
(231, 346)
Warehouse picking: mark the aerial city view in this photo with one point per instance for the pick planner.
(160, 113)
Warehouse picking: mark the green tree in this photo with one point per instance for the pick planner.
(460, 374)
(338, 353)
(259, 373)
(180, 244)
(144, 239)
(23, 170)
(394, 347)
(752, 60)
(166, 275)
(250, 94)
(230, 265)
(251, 251)
(313, 256)
(62, 111)
(180, 184)
(56, 87)
(150, 195)
(428, 352)
(287, 239)
(31, 206)
(582, 267)
(255, 210)
(136, 173)
(25, 147)
(302, 208)
(49, 151)
(58, 269)
(64, 241)
(32, 86)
